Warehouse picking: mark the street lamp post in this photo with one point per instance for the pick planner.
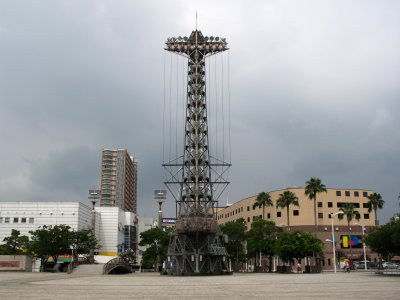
(334, 240)
(160, 196)
(94, 195)
(365, 255)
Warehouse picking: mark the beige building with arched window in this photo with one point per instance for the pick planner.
(302, 218)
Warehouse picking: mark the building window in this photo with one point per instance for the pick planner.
(260, 216)
(347, 193)
(248, 208)
(320, 215)
(241, 208)
(278, 214)
(319, 204)
(268, 216)
(356, 194)
(31, 220)
(330, 204)
(23, 220)
(365, 194)
(248, 219)
(296, 212)
(1, 219)
(6, 220)
(365, 205)
(366, 216)
(15, 220)
(254, 217)
(329, 261)
(338, 193)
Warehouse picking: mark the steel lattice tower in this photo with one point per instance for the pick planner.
(196, 246)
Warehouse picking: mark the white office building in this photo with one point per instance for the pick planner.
(27, 216)
(115, 229)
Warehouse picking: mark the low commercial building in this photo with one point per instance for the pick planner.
(114, 228)
(27, 216)
(301, 218)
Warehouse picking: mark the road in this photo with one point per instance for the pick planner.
(356, 285)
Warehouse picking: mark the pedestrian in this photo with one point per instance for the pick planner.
(298, 268)
(347, 266)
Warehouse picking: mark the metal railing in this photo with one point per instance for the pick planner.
(79, 261)
(117, 262)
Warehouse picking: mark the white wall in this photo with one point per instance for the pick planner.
(74, 214)
(144, 224)
(111, 228)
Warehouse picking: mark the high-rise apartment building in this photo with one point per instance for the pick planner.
(118, 180)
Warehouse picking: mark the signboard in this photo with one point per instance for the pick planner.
(168, 223)
(353, 240)
(61, 258)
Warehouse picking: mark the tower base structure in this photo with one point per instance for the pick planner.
(197, 248)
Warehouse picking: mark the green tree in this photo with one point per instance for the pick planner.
(263, 199)
(286, 199)
(236, 232)
(83, 241)
(350, 213)
(375, 201)
(129, 255)
(14, 244)
(149, 258)
(261, 239)
(286, 247)
(297, 245)
(51, 241)
(310, 245)
(313, 187)
(385, 240)
(156, 240)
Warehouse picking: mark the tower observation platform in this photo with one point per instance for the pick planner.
(196, 245)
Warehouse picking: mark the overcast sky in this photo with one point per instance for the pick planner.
(315, 91)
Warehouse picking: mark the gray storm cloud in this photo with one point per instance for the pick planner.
(314, 92)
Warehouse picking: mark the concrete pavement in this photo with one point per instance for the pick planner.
(356, 285)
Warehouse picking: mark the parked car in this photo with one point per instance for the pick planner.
(389, 265)
(370, 265)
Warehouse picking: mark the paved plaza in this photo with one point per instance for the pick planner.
(355, 285)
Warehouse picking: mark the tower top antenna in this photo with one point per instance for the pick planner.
(196, 20)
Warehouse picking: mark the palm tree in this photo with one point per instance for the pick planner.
(285, 200)
(263, 199)
(351, 213)
(313, 187)
(375, 201)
